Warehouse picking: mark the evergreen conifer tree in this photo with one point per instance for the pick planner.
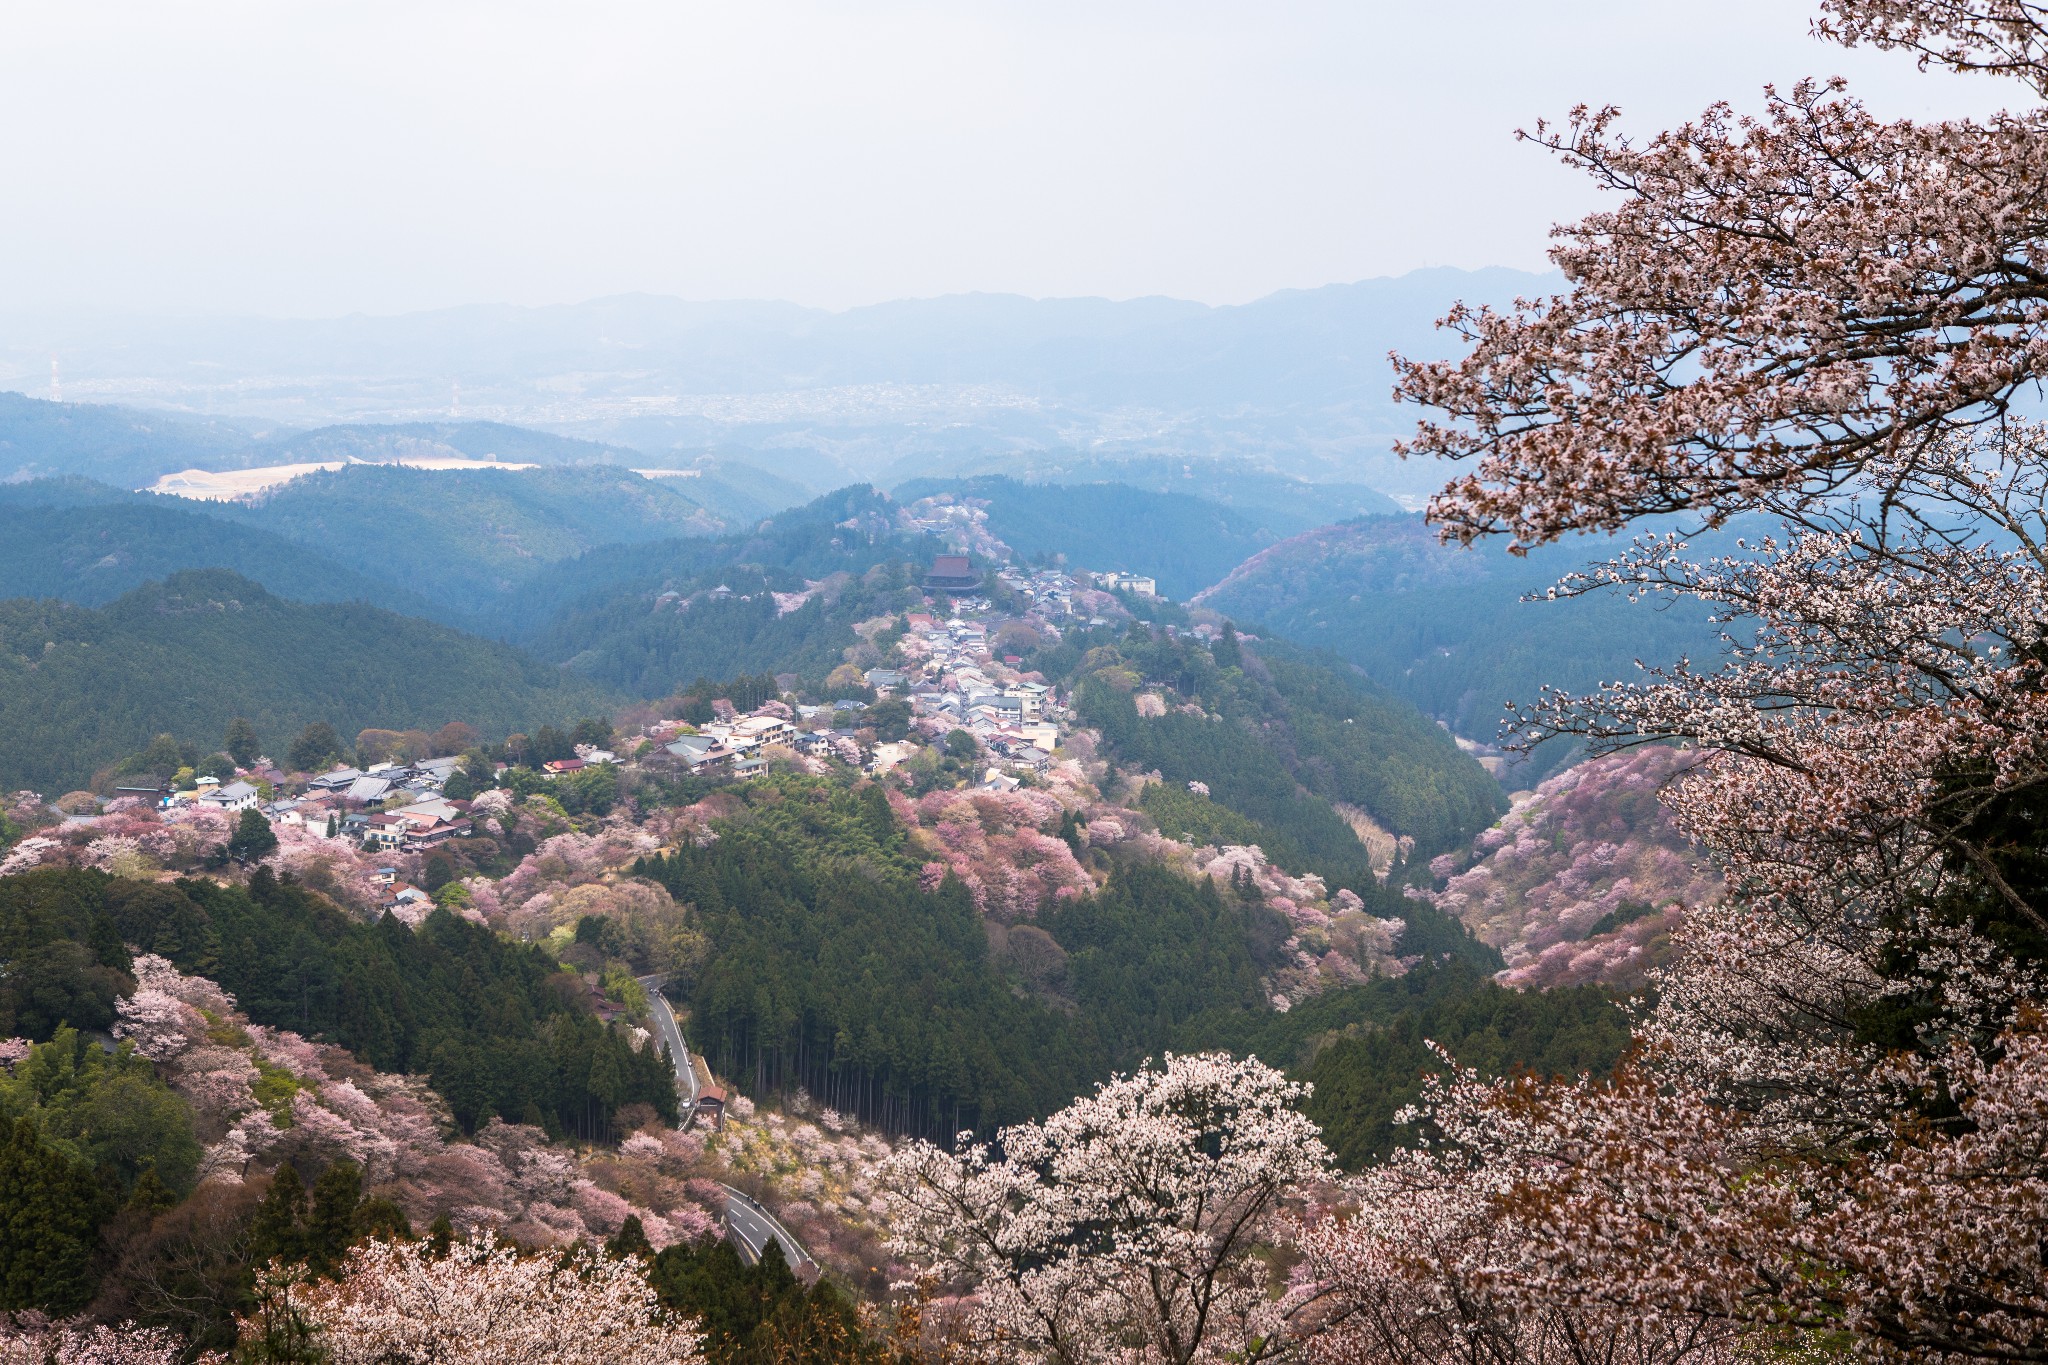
(331, 1223)
(50, 1211)
(253, 838)
(277, 1233)
(240, 742)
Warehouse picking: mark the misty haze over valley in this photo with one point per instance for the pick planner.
(1062, 684)
(1296, 382)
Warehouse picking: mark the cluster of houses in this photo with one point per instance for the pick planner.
(205, 792)
(733, 745)
(1143, 585)
(951, 682)
(388, 807)
(1056, 597)
(347, 803)
(952, 674)
(959, 684)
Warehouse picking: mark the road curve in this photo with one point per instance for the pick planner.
(752, 1226)
(749, 1224)
(671, 1035)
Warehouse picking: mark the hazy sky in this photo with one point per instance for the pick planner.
(300, 158)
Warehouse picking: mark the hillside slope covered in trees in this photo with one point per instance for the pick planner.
(127, 447)
(82, 687)
(1586, 880)
(1446, 627)
(1186, 542)
(470, 536)
(1267, 727)
(606, 609)
(91, 554)
(838, 964)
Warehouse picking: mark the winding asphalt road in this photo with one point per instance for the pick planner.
(752, 1226)
(672, 1037)
(749, 1224)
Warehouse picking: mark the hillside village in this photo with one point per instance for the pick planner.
(813, 809)
(949, 671)
(1055, 786)
(951, 664)
(1007, 814)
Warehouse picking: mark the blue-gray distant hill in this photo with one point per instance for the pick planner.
(130, 448)
(465, 539)
(459, 547)
(81, 687)
(89, 543)
(1446, 628)
(1282, 503)
(654, 617)
(1184, 541)
(122, 446)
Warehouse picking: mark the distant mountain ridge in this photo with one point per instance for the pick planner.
(1285, 503)
(118, 445)
(1447, 628)
(1182, 540)
(466, 537)
(1297, 381)
(132, 447)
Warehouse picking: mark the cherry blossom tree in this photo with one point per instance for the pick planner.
(484, 1303)
(1125, 1227)
(31, 852)
(1779, 306)
(1834, 1132)
(995, 844)
(30, 1339)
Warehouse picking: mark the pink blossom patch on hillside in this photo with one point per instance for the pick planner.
(996, 843)
(1584, 882)
(264, 1096)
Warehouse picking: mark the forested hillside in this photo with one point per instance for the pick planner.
(1184, 541)
(487, 1021)
(127, 447)
(92, 554)
(290, 1079)
(834, 966)
(604, 607)
(1446, 628)
(1270, 724)
(747, 621)
(1587, 880)
(739, 494)
(1366, 1048)
(440, 544)
(467, 538)
(83, 687)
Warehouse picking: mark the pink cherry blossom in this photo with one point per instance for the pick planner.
(1125, 1227)
(486, 1304)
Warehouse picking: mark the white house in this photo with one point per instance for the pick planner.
(236, 795)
